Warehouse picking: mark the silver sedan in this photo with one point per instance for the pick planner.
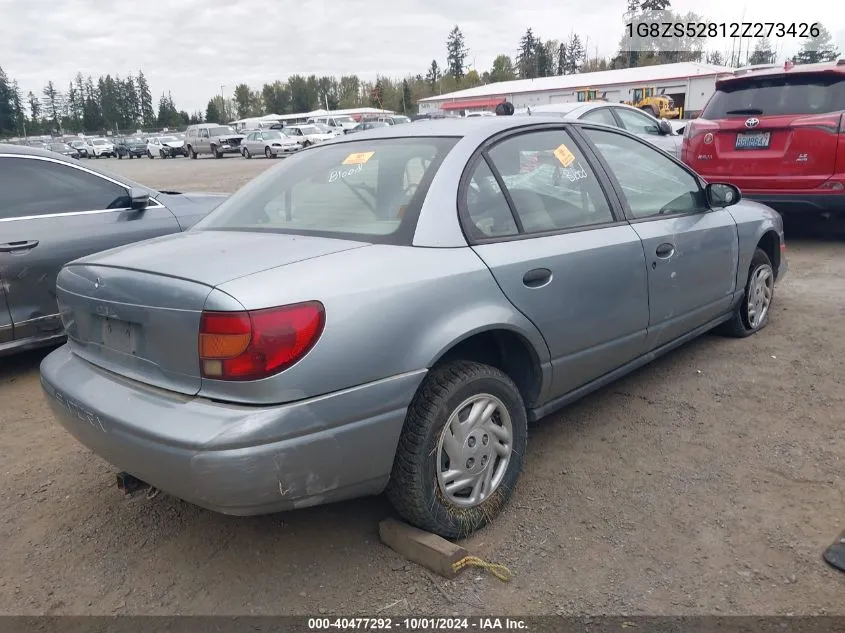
(658, 132)
(269, 143)
(389, 311)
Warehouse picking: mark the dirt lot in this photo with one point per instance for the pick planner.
(708, 482)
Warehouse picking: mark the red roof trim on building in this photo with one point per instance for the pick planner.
(473, 103)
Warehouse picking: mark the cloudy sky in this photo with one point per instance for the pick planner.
(192, 47)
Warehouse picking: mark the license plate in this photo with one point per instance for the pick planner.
(753, 140)
(119, 335)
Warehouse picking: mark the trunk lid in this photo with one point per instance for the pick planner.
(215, 257)
(135, 310)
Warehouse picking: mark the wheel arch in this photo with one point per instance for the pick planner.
(769, 243)
(502, 346)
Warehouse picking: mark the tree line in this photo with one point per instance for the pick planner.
(115, 104)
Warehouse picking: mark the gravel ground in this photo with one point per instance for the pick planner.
(708, 482)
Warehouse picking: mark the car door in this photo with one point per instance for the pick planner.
(204, 142)
(538, 214)
(52, 212)
(692, 251)
(648, 128)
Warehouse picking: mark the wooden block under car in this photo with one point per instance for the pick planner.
(424, 548)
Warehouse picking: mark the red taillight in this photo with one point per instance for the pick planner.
(257, 344)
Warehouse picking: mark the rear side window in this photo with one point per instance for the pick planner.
(39, 187)
(368, 191)
(551, 184)
(792, 94)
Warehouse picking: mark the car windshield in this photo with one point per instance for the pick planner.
(271, 135)
(136, 141)
(59, 147)
(98, 141)
(168, 139)
(309, 129)
(792, 94)
(322, 127)
(77, 143)
(344, 119)
(217, 131)
(401, 119)
(364, 190)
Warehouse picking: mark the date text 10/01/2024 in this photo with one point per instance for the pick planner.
(750, 30)
(417, 624)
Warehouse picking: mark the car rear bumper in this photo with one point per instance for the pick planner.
(800, 203)
(233, 459)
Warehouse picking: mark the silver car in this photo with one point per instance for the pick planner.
(270, 143)
(390, 310)
(658, 132)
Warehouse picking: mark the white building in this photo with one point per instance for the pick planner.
(690, 85)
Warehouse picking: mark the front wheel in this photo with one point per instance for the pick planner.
(461, 450)
(119, 156)
(191, 152)
(215, 152)
(752, 314)
(268, 153)
(162, 154)
(150, 154)
(246, 153)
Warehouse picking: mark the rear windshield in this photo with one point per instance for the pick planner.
(793, 94)
(368, 191)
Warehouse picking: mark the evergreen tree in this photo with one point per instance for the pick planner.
(574, 54)
(145, 99)
(762, 53)
(526, 62)
(212, 114)
(456, 54)
(407, 103)
(542, 59)
(34, 107)
(818, 49)
(433, 75)
(561, 59)
(655, 5)
(52, 102)
(133, 104)
(7, 117)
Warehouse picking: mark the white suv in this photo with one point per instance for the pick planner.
(100, 147)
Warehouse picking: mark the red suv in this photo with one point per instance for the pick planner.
(779, 135)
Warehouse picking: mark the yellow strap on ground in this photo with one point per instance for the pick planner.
(499, 571)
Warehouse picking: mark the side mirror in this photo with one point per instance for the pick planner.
(140, 198)
(720, 195)
(665, 127)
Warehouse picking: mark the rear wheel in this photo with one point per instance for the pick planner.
(150, 154)
(752, 313)
(461, 449)
(246, 153)
(119, 156)
(191, 152)
(268, 153)
(306, 144)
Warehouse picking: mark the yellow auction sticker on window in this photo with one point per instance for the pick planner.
(564, 155)
(359, 159)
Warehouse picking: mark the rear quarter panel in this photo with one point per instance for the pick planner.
(389, 310)
(753, 221)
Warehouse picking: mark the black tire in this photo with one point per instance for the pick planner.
(215, 152)
(268, 153)
(150, 154)
(162, 154)
(306, 144)
(413, 488)
(740, 325)
(191, 152)
(119, 156)
(246, 153)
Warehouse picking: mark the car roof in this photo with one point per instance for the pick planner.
(22, 150)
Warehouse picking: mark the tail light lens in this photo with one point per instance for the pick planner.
(257, 344)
